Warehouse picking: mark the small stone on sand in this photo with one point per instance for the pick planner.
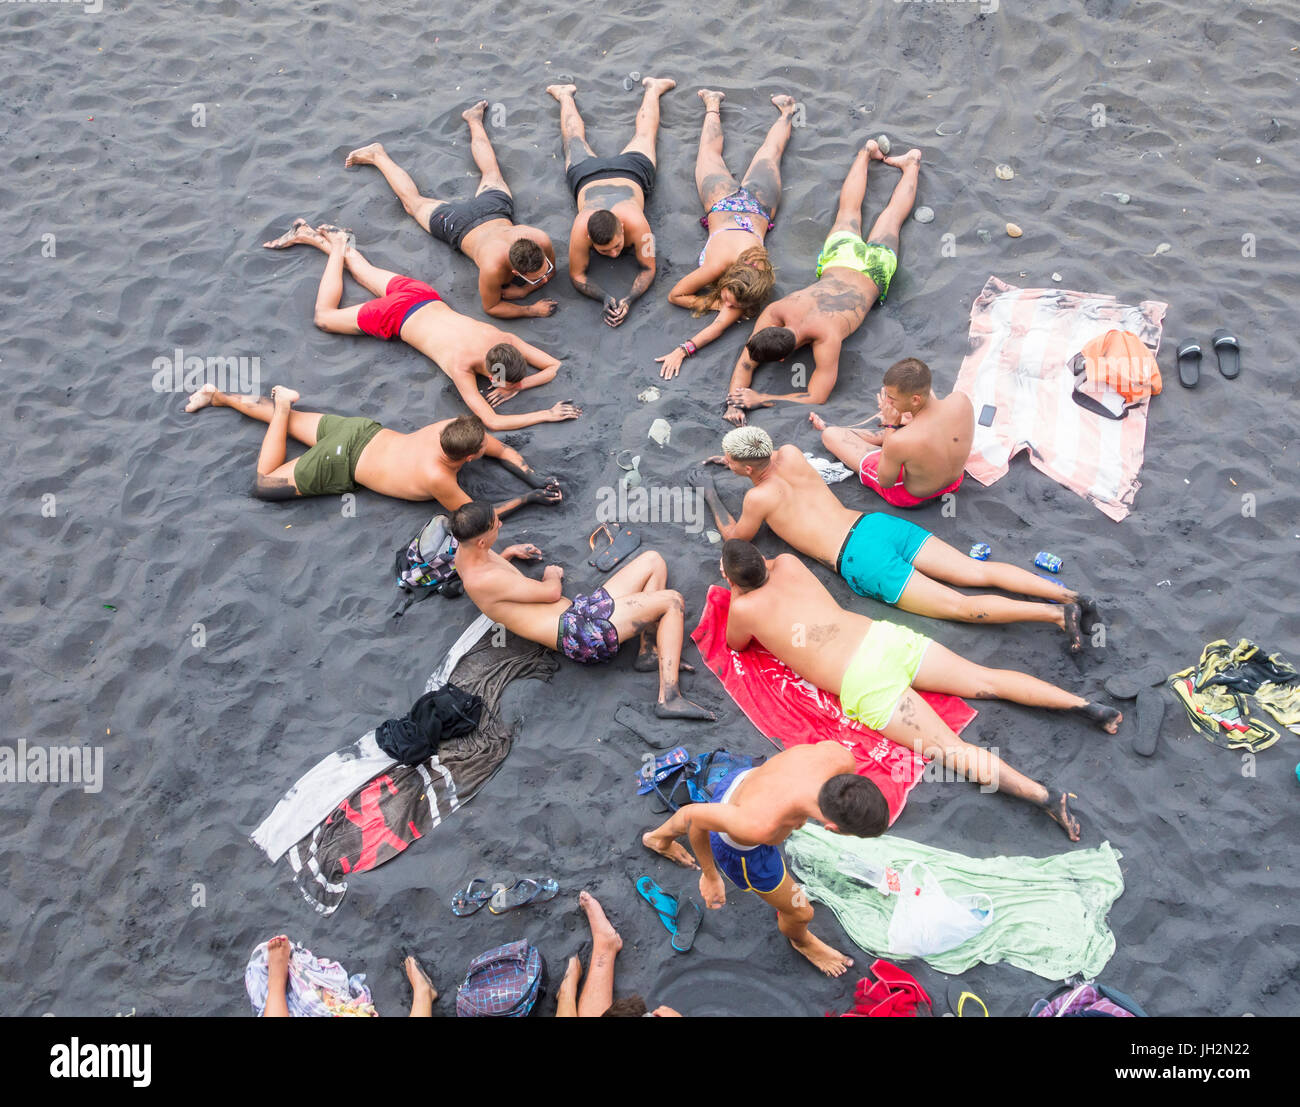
(885, 145)
(1004, 172)
(950, 128)
(924, 215)
(1163, 248)
(1056, 276)
(1014, 231)
(983, 235)
(649, 396)
(660, 432)
(713, 536)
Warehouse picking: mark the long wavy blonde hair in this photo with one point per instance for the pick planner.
(750, 280)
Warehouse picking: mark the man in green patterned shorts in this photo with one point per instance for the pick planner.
(852, 275)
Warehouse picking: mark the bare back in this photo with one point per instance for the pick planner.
(935, 446)
(455, 341)
(488, 246)
(795, 617)
(411, 467)
(801, 509)
(780, 791)
(488, 580)
(832, 308)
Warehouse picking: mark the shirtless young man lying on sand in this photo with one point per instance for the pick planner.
(879, 555)
(752, 812)
(611, 193)
(920, 451)
(463, 348)
(877, 668)
(347, 453)
(852, 275)
(587, 629)
(513, 259)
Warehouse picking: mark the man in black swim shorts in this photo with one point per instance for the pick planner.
(611, 193)
(514, 260)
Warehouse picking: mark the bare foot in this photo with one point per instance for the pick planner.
(1105, 716)
(674, 851)
(364, 155)
(281, 395)
(1070, 616)
(659, 85)
(873, 150)
(830, 961)
(572, 973)
(301, 233)
(202, 398)
(1059, 812)
(711, 97)
(475, 114)
(910, 160)
(603, 933)
(420, 982)
(278, 951)
(817, 421)
(561, 91)
(786, 104)
(676, 706)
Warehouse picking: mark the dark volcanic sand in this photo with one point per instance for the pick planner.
(157, 227)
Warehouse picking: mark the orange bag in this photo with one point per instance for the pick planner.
(1120, 362)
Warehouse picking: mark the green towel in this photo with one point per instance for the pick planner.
(1049, 914)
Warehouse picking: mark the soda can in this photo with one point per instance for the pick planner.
(981, 551)
(1045, 560)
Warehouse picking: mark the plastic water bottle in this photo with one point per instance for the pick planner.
(881, 877)
(981, 551)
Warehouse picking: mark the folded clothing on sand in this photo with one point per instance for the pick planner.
(785, 707)
(317, 988)
(1048, 913)
(356, 810)
(1021, 343)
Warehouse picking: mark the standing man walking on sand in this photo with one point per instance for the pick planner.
(611, 193)
(514, 260)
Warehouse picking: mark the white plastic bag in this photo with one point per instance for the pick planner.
(927, 920)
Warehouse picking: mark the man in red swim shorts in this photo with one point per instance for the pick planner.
(920, 451)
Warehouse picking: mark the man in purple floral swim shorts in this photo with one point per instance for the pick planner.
(588, 629)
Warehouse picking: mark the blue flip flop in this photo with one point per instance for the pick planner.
(470, 899)
(664, 903)
(521, 893)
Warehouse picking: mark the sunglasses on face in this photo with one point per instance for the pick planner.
(550, 268)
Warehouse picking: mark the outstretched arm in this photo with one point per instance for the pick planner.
(826, 367)
(493, 420)
(752, 514)
(672, 363)
(579, 259)
(496, 300)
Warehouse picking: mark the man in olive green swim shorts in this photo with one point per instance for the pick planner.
(878, 670)
(853, 275)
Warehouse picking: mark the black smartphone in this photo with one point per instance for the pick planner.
(986, 416)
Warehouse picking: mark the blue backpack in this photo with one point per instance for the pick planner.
(700, 777)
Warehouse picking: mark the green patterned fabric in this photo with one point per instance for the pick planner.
(1049, 914)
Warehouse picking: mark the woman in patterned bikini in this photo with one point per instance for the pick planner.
(733, 275)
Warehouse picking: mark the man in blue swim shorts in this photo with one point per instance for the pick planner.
(878, 555)
(755, 810)
(588, 629)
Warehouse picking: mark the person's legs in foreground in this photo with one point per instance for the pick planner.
(418, 207)
(277, 412)
(889, 223)
(762, 179)
(793, 914)
(645, 137)
(644, 602)
(937, 561)
(573, 135)
(713, 179)
(422, 990)
(277, 978)
(942, 670)
(915, 724)
(334, 242)
(598, 991)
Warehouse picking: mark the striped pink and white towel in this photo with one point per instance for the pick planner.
(1021, 340)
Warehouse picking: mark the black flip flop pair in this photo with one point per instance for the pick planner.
(1226, 349)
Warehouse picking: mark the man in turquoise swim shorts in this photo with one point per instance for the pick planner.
(753, 812)
(879, 555)
(878, 669)
(853, 274)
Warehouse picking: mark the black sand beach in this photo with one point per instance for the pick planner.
(157, 225)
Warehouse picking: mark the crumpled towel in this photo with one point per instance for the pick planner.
(832, 472)
(318, 988)
(1049, 914)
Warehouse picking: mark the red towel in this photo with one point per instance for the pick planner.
(787, 708)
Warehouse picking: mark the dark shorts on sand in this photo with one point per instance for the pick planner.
(329, 467)
(452, 221)
(636, 166)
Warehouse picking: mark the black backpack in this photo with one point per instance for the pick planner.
(425, 566)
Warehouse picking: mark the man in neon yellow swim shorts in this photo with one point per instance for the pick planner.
(878, 669)
(853, 274)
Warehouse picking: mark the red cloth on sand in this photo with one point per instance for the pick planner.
(785, 707)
